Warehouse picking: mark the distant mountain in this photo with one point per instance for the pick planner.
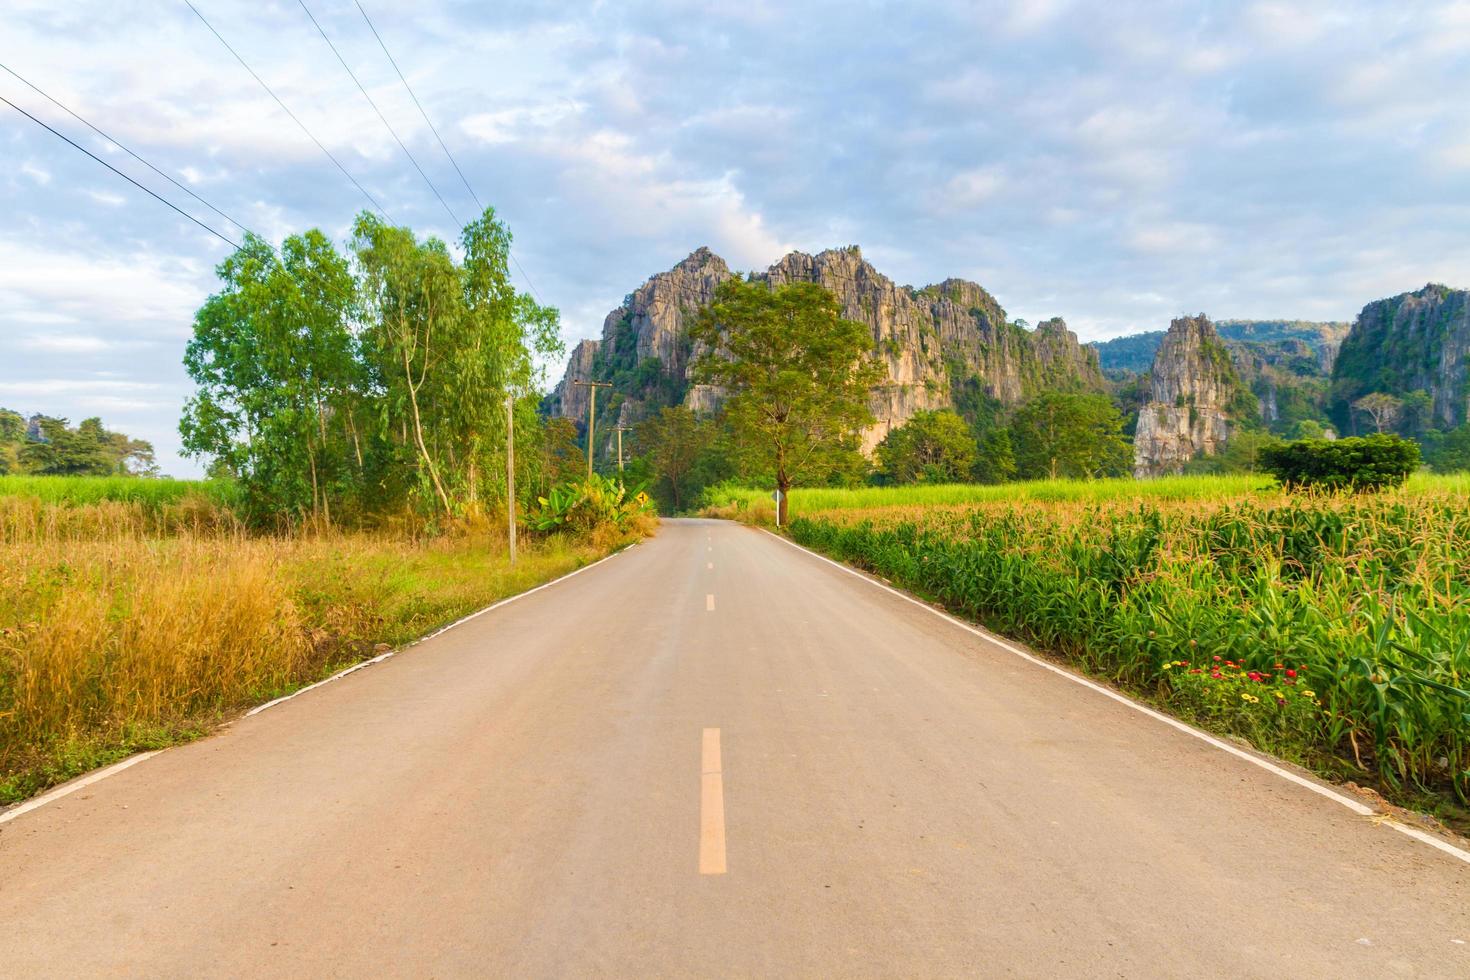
(1196, 399)
(1135, 353)
(1415, 346)
(945, 345)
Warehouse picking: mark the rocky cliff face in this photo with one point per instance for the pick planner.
(931, 341)
(1132, 354)
(1193, 391)
(1412, 342)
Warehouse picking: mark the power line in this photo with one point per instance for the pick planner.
(275, 252)
(453, 162)
(284, 108)
(148, 191)
(117, 143)
(381, 118)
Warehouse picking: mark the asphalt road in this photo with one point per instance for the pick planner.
(715, 755)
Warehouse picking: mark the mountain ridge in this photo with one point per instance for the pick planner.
(933, 341)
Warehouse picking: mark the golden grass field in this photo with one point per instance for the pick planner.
(130, 625)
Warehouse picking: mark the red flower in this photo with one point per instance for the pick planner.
(1217, 660)
(1215, 673)
(1290, 672)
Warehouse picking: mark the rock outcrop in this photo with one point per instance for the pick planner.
(1194, 389)
(1413, 342)
(932, 341)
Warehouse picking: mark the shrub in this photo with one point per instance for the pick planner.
(1361, 463)
(584, 507)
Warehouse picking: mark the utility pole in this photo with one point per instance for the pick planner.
(620, 430)
(510, 469)
(592, 417)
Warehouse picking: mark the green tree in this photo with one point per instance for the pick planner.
(673, 441)
(273, 355)
(64, 451)
(1452, 455)
(447, 343)
(1383, 409)
(562, 458)
(1243, 453)
(797, 376)
(996, 461)
(932, 447)
(1418, 412)
(1065, 434)
(1308, 429)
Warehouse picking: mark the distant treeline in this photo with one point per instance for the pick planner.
(46, 446)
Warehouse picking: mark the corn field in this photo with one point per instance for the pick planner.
(1331, 630)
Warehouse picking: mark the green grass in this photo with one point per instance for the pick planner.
(809, 500)
(81, 490)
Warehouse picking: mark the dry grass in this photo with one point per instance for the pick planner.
(124, 627)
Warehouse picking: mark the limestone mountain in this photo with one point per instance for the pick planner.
(941, 345)
(1415, 346)
(1286, 364)
(1195, 395)
(1134, 353)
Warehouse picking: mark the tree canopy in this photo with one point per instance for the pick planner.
(47, 446)
(931, 447)
(370, 380)
(796, 375)
(1063, 434)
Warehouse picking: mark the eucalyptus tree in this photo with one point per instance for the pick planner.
(447, 343)
(273, 355)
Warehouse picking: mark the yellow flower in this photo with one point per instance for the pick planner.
(1309, 694)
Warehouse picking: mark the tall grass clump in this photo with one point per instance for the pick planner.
(1332, 630)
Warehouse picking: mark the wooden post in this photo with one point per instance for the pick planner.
(592, 418)
(510, 470)
(621, 429)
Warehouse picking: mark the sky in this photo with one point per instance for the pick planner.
(1115, 164)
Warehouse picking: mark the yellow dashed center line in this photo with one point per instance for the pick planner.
(711, 806)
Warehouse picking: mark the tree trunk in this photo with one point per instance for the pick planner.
(418, 433)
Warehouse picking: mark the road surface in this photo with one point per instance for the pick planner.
(714, 755)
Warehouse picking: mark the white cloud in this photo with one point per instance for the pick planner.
(523, 122)
(970, 188)
(63, 343)
(1110, 163)
(1174, 237)
(146, 290)
(107, 198)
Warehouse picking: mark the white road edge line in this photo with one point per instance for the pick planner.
(443, 629)
(66, 789)
(1359, 808)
